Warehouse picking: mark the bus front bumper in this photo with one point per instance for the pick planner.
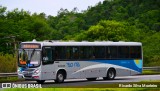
(26, 77)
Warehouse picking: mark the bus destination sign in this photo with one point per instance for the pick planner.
(30, 46)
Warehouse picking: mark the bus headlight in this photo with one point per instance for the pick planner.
(37, 71)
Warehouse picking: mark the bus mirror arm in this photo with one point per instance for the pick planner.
(45, 58)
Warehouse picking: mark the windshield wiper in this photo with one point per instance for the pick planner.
(32, 54)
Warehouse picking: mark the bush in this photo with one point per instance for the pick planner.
(8, 63)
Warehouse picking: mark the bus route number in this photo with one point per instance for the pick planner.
(74, 64)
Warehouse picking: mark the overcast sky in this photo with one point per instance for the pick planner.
(49, 7)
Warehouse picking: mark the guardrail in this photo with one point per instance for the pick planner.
(8, 74)
(15, 73)
(152, 68)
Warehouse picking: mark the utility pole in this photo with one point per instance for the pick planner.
(13, 40)
(15, 44)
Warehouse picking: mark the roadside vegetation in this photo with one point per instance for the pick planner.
(8, 63)
(150, 72)
(9, 79)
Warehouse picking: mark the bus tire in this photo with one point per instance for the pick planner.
(60, 77)
(40, 81)
(91, 79)
(111, 74)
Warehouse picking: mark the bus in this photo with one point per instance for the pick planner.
(59, 60)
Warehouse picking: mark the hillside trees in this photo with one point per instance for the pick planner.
(23, 26)
(111, 31)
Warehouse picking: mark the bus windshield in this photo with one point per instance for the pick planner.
(29, 58)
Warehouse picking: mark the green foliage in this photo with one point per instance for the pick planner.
(110, 31)
(150, 72)
(8, 63)
(105, 30)
(10, 79)
(151, 48)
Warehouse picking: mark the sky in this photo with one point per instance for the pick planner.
(49, 7)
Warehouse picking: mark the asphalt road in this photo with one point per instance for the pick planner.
(99, 81)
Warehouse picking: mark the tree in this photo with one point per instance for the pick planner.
(107, 31)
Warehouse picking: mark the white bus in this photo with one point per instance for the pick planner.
(56, 60)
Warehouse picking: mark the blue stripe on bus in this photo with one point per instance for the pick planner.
(131, 64)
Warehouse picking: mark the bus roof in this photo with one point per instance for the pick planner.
(86, 43)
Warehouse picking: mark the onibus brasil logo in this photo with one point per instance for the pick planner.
(14, 85)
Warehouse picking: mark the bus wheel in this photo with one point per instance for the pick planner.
(91, 79)
(110, 74)
(40, 81)
(60, 77)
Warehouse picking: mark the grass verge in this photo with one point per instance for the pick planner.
(10, 79)
(150, 72)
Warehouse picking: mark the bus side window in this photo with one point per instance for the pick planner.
(86, 52)
(75, 52)
(99, 52)
(123, 52)
(47, 55)
(60, 53)
(68, 53)
(107, 52)
(112, 50)
(135, 52)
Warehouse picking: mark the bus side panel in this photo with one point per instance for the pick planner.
(48, 72)
(137, 66)
(124, 67)
(134, 72)
(122, 72)
(71, 67)
(85, 69)
(91, 69)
